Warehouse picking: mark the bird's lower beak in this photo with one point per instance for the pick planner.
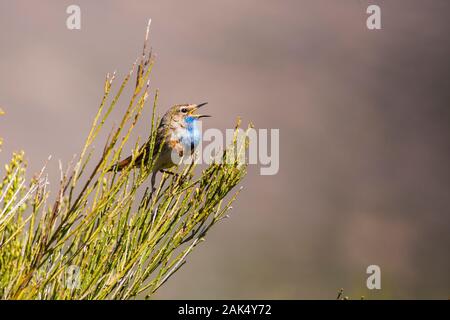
(198, 116)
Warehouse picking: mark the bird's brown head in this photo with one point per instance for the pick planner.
(179, 112)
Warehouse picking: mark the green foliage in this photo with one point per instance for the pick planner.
(104, 236)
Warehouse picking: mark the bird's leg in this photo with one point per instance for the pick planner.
(175, 174)
(153, 183)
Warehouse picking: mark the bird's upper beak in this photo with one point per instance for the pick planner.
(198, 116)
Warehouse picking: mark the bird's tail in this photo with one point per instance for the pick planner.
(120, 165)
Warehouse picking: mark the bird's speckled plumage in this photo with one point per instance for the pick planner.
(178, 131)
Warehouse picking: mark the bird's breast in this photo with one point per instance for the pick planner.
(186, 136)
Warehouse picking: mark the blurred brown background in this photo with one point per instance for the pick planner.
(363, 116)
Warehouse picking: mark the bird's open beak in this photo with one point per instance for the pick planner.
(198, 116)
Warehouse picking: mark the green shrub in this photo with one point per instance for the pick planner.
(104, 237)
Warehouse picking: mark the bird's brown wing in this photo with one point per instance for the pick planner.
(144, 154)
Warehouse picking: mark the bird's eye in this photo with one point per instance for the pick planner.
(184, 110)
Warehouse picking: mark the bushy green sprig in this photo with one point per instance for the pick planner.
(105, 236)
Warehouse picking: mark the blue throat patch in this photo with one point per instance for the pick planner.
(194, 133)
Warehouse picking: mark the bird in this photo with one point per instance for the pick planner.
(177, 133)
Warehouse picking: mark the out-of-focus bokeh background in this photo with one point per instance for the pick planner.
(363, 116)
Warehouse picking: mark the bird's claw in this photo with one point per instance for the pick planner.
(169, 172)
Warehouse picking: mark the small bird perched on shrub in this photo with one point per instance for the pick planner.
(178, 132)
